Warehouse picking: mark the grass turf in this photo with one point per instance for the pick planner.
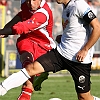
(59, 87)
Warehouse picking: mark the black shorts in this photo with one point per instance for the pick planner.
(53, 61)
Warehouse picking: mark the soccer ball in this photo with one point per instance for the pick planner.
(55, 99)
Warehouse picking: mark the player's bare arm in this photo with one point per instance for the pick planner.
(92, 40)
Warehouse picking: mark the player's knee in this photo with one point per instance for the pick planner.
(30, 69)
(26, 58)
(34, 68)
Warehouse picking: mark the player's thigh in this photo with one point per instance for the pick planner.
(25, 50)
(51, 61)
(26, 56)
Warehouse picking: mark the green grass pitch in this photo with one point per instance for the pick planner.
(55, 87)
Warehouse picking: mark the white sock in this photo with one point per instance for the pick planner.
(3, 91)
(96, 98)
(16, 79)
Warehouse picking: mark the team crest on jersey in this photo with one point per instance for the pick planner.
(90, 15)
(82, 79)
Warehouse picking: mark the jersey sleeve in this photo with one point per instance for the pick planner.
(20, 14)
(37, 20)
(82, 8)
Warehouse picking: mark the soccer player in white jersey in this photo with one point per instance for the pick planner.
(81, 30)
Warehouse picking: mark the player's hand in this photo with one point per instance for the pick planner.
(58, 38)
(81, 55)
(3, 36)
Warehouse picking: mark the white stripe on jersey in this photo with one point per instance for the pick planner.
(47, 15)
(52, 43)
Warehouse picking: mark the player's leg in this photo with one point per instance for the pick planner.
(85, 96)
(14, 80)
(39, 78)
(25, 50)
(27, 88)
(81, 75)
(22, 75)
(33, 52)
(46, 63)
(19, 78)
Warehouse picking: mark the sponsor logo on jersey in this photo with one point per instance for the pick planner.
(81, 87)
(91, 15)
(31, 21)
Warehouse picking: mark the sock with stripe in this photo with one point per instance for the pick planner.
(16, 79)
(96, 98)
(25, 94)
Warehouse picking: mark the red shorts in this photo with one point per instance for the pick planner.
(27, 45)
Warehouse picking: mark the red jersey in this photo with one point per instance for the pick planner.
(36, 25)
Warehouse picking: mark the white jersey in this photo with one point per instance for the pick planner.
(75, 30)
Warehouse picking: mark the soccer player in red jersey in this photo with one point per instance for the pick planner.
(34, 24)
